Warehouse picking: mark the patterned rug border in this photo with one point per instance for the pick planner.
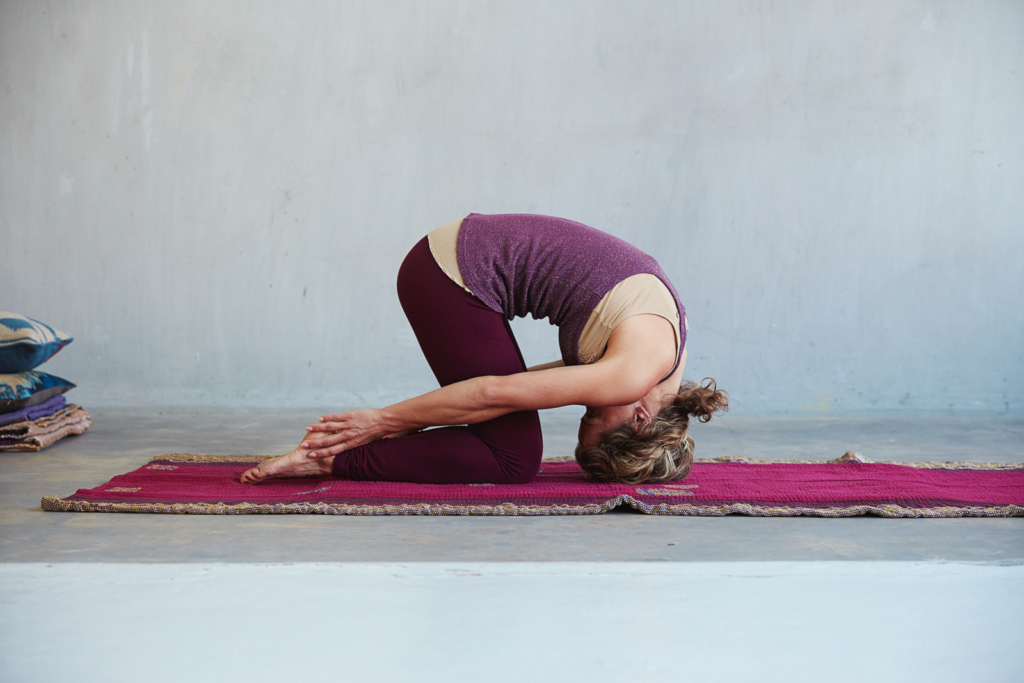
(513, 510)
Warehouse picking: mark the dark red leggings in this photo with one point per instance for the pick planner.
(461, 338)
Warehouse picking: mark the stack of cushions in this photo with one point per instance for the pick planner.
(33, 410)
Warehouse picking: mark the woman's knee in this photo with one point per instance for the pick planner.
(519, 453)
(410, 273)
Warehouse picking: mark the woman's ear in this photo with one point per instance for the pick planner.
(640, 414)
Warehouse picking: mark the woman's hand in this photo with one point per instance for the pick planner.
(337, 433)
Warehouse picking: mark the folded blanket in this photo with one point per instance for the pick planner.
(42, 432)
(48, 407)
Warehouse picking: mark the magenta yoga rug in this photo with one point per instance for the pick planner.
(844, 487)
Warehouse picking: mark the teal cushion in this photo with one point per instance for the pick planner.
(26, 389)
(26, 343)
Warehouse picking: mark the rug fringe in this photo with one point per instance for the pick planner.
(503, 510)
(513, 510)
(193, 458)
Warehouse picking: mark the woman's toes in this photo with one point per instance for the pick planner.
(295, 464)
(254, 475)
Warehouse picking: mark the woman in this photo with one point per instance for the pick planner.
(622, 334)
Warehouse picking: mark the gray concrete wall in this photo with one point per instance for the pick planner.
(213, 198)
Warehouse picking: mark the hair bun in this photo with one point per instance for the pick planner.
(701, 400)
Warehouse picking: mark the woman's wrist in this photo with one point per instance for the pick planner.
(391, 422)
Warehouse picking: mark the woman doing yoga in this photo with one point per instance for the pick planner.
(622, 334)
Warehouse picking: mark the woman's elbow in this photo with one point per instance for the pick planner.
(490, 392)
(626, 392)
(504, 394)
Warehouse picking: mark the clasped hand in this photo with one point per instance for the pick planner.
(334, 434)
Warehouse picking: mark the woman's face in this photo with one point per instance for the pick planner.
(597, 422)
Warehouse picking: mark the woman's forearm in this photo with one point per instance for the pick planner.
(479, 399)
(467, 402)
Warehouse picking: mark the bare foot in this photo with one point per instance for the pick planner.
(295, 464)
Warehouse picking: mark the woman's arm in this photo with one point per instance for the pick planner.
(469, 402)
(624, 375)
(459, 403)
(547, 366)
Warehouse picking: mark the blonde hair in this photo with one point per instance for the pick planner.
(655, 451)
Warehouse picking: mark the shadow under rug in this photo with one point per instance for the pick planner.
(844, 487)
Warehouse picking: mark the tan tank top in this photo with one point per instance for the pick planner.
(643, 293)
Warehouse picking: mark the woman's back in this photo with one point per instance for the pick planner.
(546, 267)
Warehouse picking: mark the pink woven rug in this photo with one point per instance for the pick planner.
(847, 486)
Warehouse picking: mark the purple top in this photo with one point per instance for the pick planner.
(553, 268)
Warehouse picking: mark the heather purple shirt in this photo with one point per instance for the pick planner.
(524, 264)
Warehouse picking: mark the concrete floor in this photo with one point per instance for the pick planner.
(497, 622)
(123, 440)
(59, 572)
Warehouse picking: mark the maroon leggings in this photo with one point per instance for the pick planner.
(461, 338)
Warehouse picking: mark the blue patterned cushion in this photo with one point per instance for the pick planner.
(26, 389)
(26, 343)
